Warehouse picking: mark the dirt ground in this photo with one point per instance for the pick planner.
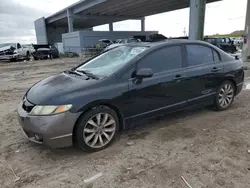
(207, 148)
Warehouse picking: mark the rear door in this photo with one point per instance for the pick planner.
(204, 73)
(164, 90)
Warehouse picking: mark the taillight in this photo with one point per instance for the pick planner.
(245, 40)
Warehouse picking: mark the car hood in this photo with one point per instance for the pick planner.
(58, 89)
(5, 49)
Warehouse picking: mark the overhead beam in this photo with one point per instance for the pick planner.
(111, 5)
(148, 8)
(129, 4)
(59, 16)
(85, 5)
(106, 17)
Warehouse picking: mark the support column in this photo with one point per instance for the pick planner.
(246, 42)
(70, 21)
(143, 24)
(110, 26)
(197, 19)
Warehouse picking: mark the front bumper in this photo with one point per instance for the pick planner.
(54, 131)
(7, 57)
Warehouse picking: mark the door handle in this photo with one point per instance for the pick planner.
(179, 77)
(215, 69)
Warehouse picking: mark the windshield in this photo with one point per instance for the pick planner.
(7, 44)
(112, 60)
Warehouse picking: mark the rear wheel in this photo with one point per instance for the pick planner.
(96, 129)
(225, 95)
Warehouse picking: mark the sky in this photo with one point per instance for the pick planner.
(17, 19)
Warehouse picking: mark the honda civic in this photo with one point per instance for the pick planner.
(89, 104)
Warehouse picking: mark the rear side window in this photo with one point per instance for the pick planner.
(199, 54)
(165, 59)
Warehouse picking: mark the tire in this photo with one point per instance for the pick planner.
(90, 135)
(13, 60)
(224, 96)
(27, 56)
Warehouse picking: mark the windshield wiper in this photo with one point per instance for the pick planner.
(73, 72)
(88, 74)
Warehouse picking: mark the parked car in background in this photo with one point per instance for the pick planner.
(107, 42)
(102, 44)
(121, 42)
(224, 43)
(14, 52)
(87, 105)
(44, 51)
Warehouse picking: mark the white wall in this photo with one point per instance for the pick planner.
(75, 41)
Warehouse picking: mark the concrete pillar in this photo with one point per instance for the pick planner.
(70, 21)
(143, 24)
(197, 19)
(246, 47)
(110, 26)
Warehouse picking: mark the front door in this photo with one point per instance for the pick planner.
(164, 90)
(20, 50)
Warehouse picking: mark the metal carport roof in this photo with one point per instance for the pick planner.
(90, 13)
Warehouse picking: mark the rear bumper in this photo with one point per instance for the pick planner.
(239, 88)
(54, 131)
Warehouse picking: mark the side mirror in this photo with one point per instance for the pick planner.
(144, 73)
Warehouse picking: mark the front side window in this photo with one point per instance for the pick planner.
(165, 59)
(198, 54)
(18, 46)
(110, 61)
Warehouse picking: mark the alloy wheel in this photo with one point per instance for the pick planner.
(226, 95)
(99, 130)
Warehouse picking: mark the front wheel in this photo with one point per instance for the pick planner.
(224, 96)
(96, 129)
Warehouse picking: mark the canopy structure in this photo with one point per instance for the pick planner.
(86, 14)
(90, 13)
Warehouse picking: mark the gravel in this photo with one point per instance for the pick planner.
(208, 148)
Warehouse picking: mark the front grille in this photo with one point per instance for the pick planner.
(27, 106)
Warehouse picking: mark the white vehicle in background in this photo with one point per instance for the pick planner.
(120, 42)
(238, 41)
(14, 51)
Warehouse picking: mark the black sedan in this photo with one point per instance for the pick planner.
(87, 105)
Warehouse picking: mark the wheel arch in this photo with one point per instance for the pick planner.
(95, 104)
(231, 78)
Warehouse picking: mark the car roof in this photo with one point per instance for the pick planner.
(167, 42)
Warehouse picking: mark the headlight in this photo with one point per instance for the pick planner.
(49, 110)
